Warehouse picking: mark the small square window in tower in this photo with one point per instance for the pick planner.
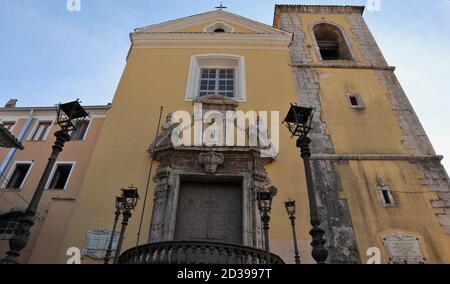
(354, 100)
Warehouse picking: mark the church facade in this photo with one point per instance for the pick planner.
(380, 186)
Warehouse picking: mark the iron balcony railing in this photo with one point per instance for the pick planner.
(195, 252)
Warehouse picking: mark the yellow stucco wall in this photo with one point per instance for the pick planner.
(371, 130)
(155, 77)
(413, 213)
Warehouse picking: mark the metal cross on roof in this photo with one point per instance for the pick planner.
(221, 7)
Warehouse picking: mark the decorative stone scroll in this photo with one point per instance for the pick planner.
(403, 249)
(211, 161)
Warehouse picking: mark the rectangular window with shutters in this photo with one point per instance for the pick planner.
(81, 131)
(217, 82)
(60, 176)
(41, 131)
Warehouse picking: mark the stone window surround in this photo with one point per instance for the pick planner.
(358, 99)
(316, 46)
(381, 187)
(211, 61)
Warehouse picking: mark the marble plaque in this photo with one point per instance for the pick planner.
(403, 248)
(97, 242)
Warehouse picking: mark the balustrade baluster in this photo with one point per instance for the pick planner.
(195, 253)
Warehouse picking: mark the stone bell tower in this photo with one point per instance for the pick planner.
(372, 159)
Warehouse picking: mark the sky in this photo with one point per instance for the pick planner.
(49, 54)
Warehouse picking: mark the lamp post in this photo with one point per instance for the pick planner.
(265, 198)
(298, 121)
(290, 208)
(69, 116)
(130, 198)
(119, 206)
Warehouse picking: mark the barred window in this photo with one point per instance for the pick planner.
(217, 82)
(8, 225)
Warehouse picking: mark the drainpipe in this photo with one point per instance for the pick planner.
(13, 151)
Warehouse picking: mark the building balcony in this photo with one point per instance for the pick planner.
(195, 252)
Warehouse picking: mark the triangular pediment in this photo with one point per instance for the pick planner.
(200, 23)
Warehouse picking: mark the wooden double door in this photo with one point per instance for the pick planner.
(210, 211)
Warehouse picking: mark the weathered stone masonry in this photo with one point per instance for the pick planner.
(334, 211)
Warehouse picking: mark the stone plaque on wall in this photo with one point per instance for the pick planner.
(403, 248)
(97, 241)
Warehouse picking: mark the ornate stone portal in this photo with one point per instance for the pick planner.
(206, 163)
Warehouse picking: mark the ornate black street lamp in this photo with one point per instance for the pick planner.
(290, 208)
(69, 116)
(130, 198)
(298, 121)
(119, 208)
(265, 198)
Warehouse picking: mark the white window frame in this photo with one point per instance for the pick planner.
(11, 172)
(87, 130)
(52, 174)
(10, 121)
(199, 62)
(36, 125)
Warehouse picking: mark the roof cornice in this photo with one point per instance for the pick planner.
(273, 39)
(320, 9)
